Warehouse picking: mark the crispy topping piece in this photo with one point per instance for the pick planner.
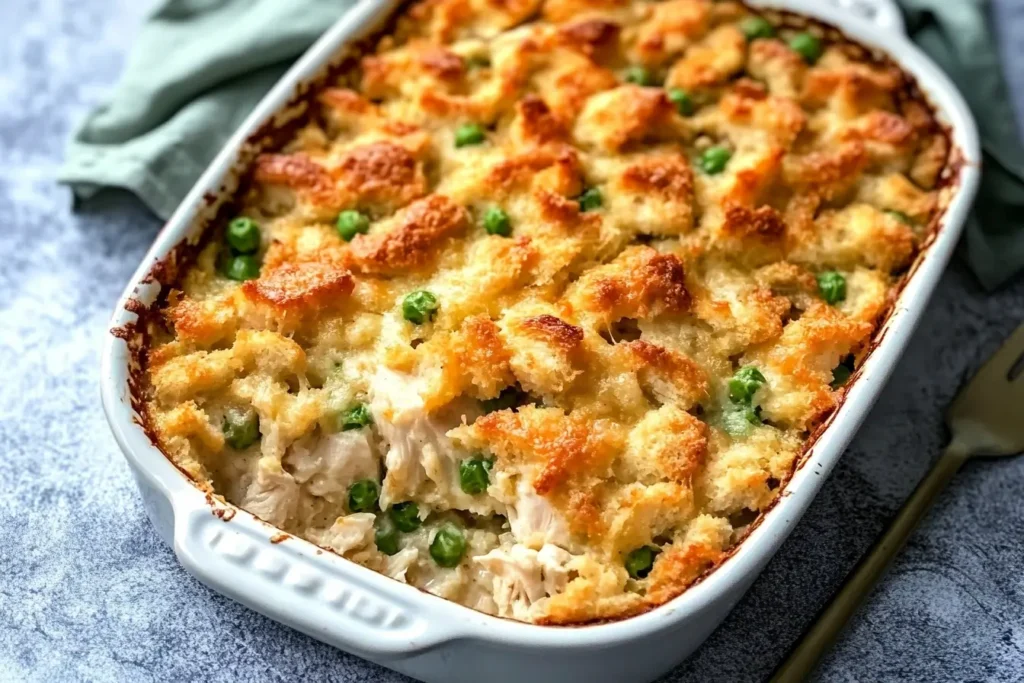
(300, 287)
(382, 174)
(419, 235)
(641, 283)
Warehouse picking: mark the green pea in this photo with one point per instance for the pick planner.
(496, 222)
(419, 306)
(508, 398)
(448, 546)
(900, 216)
(478, 62)
(241, 267)
(243, 235)
(241, 429)
(351, 223)
(739, 420)
(355, 417)
(640, 561)
(832, 286)
(807, 46)
(590, 200)
(841, 373)
(363, 495)
(756, 27)
(682, 100)
(640, 75)
(745, 383)
(406, 516)
(386, 535)
(714, 159)
(469, 134)
(474, 475)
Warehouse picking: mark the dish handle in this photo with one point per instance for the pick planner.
(287, 580)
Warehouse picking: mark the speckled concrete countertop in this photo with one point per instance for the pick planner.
(88, 592)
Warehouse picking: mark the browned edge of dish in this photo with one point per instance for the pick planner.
(280, 127)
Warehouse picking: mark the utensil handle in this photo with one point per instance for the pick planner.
(805, 656)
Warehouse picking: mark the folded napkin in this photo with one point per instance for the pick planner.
(200, 66)
(197, 70)
(955, 33)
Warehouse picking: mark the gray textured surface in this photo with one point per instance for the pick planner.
(88, 592)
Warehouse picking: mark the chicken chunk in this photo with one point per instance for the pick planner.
(333, 463)
(273, 495)
(523, 577)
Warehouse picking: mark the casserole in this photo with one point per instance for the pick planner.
(333, 594)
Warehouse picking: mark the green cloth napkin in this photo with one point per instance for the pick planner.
(197, 70)
(955, 33)
(200, 66)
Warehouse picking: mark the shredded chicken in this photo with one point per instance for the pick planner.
(398, 564)
(523, 576)
(349, 533)
(273, 495)
(534, 522)
(333, 463)
(418, 449)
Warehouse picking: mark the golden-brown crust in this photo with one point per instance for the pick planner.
(422, 229)
(301, 174)
(443, 63)
(748, 104)
(852, 87)
(201, 323)
(690, 449)
(558, 11)
(669, 374)
(561, 212)
(710, 62)
(345, 100)
(678, 566)
(828, 173)
(671, 27)
(546, 350)
(300, 287)
(558, 166)
(668, 444)
(482, 355)
(590, 36)
(554, 331)
(536, 124)
(781, 68)
(382, 173)
(610, 120)
(638, 284)
(564, 446)
(667, 176)
(574, 84)
(762, 224)
(654, 194)
(884, 126)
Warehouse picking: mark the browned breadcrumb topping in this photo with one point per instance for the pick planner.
(614, 206)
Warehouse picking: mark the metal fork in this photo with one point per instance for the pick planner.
(986, 419)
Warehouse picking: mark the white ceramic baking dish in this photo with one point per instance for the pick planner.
(426, 637)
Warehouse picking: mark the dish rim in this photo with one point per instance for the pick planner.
(452, 620)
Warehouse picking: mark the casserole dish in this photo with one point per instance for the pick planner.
(394, 624)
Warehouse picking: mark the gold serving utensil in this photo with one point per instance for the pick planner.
(986, 419)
